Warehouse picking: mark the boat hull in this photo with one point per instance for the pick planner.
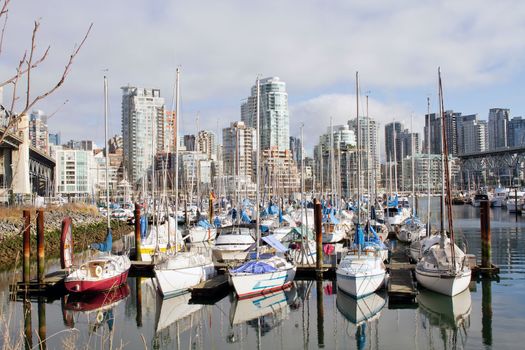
(442, 282)
(95, 286)
(360, 285)
(173, 282)
(248, 285)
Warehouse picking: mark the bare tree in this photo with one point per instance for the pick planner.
(27, 63)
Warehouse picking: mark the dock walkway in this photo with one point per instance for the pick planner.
(402, 289)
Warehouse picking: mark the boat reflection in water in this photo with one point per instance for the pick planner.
(449, 316)
(360, 311)
(264, 312)
(96, 307)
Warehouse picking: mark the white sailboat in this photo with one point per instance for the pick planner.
(176, 272)
(262, 275)
(443, 267)
(360, 274)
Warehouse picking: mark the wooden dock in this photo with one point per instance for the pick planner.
(52, 286)
(210, 291)
(402, 289)
(141, 269)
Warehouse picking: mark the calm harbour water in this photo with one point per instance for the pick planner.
(309, 316)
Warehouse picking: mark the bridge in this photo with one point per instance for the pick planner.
(490, 167)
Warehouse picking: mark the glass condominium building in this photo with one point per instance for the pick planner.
(274, 118)
(142, 129)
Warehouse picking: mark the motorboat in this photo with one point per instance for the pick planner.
(499, 199)
(412, 229)
(478, 197)
(233, 243)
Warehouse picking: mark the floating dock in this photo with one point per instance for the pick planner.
(51, 286)
(211, 291)
(402, 289)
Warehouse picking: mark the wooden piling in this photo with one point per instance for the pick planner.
(210, 209)
(318, 221)
(138, 242)
(138, 287)
(28, 329)
(486, 311)
(486, 261)
(26, 268)
(41, 262)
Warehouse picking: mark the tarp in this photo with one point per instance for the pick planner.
(234, 214)
(256, 267)
(273, 242)
(273, 209)
(359, 237)
(204, 223)
(106, 245)
(245, 218)
(392, 203)
(217, 222)
(143, 226)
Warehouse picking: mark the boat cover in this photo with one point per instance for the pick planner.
(104, 246)
(273, 242)
(256, 267)
(204, 223)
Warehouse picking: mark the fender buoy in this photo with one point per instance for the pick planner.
(66, 244)
(98, 271)
(100, 315)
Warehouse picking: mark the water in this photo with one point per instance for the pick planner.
(309, 316)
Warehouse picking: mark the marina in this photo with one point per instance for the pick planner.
(342, 319)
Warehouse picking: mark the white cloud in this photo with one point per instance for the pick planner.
(314, 46)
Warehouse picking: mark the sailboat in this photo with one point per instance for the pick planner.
(443, 267)
(360, 273)
(177, 271)
(104, 271)
(264, 274)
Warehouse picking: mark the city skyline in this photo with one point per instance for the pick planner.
(483, 72)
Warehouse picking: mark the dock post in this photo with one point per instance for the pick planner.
(318, 221)
(41, 262)
(27, 247)
(137, 233)
(210, 208)
(320, 314)
(485, 235)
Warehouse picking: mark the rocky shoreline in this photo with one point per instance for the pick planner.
(88, 227)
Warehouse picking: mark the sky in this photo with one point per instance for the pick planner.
(316, 47)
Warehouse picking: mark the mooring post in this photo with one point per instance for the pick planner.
(318, 221)
(26, 269)
(485, 235)
(210, 209)
(40, 263)
(516, 203)
(138, 242)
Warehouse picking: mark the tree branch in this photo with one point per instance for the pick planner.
(34, 65)
(3, 11)
(29, 62)
(64, 73)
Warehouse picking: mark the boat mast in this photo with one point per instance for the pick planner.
(358, 151)
(412, 152)
(447, 178)
(395, 155)
(428, 166)
(177, 116)
(108, 210)
(257, 169)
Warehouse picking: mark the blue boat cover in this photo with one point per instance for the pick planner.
(106, 245)
(392, 203)
(143, 226)
(204, 223)
(234, 214)
(273, 242)
(217, 222)
(359, 237)
(244, 217)
(255, 267)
